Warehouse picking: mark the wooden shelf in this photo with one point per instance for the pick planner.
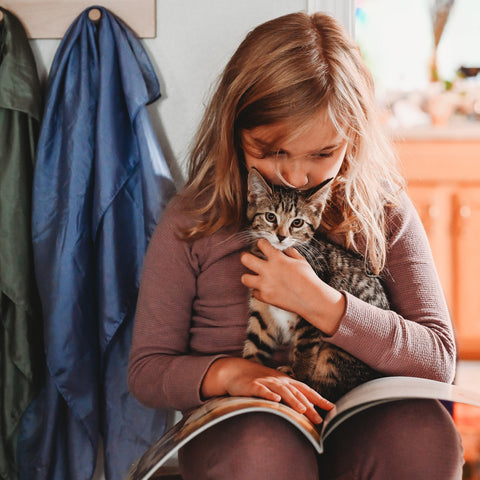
(51, 19)
(443, 178)
(440, 160)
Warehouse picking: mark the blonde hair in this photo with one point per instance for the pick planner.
(288, 69)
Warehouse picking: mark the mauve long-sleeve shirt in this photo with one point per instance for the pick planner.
(193, 309)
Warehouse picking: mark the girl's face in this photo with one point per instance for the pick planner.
(301, 162)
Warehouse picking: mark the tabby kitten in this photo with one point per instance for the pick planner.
(290, 218)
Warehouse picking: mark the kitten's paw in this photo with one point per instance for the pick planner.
(286, 369)
(253, 358)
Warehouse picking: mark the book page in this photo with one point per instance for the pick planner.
(389, 389)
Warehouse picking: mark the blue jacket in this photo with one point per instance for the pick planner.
(100, 184)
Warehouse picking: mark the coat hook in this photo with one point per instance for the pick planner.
(94, 14)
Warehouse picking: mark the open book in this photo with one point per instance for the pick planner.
(382, 390)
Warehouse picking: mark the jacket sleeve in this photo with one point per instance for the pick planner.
(162, 372)
(415, 337)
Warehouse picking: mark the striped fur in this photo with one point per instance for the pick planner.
(290, 218)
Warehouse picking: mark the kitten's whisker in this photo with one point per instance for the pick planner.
(311, 254)
(243, 235)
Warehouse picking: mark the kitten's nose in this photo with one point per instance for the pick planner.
(280, 237)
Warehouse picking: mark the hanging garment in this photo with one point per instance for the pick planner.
(100, 185)
(20, 317)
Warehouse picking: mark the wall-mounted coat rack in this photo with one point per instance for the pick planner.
(51, 18)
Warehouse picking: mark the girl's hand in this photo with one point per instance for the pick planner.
(276, 279)
(286, 280)
(240, 377)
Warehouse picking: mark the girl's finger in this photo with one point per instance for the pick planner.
(294, 253)
(263, 391)
(314, 397)
(287, 396)
(304, 406)
(310, 411)
(252, 262)
(290, 394)
(300, 404)
(266, 247)
(249, 280)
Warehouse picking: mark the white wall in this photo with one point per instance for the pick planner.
(195, 39)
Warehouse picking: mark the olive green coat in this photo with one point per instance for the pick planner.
(20, 319)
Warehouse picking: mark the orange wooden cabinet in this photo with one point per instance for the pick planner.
(443, 178)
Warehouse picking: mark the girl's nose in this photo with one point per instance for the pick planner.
(292, 174)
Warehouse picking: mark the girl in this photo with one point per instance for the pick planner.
(297, 103)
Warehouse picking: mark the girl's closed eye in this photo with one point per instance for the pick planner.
(274, 154)
(322, 154)
(282, 154)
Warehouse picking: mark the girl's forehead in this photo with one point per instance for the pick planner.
(317, 132)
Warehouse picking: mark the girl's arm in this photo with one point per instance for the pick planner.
(162, 373)
(414, 338)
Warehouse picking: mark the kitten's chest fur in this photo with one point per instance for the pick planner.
(285, 323)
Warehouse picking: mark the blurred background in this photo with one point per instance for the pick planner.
(425, 59)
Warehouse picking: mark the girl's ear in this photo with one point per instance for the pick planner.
(257, 186)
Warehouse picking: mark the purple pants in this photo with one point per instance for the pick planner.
(404, 440)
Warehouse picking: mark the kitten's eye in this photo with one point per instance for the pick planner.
(297, 223)
(270, 217)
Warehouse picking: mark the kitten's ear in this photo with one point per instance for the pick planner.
(319, 196)
(257, 186)
(325, 183)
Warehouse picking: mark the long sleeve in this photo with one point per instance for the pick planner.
(415, 337)
(192, 309)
